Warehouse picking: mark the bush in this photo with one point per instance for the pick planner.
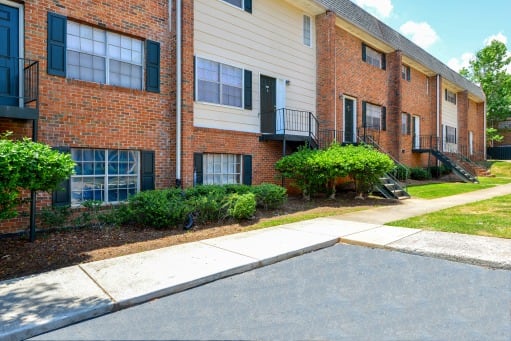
(237, 188)
(157, 208)
(28, 165)
(208, 207)
(269, 196)
(401, 172)
(418, 173)
(241, 206)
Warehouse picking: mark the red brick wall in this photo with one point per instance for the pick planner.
(76, 113)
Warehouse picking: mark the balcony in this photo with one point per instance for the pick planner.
(290, 125)
(19, 88)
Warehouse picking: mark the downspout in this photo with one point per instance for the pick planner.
(484, 127)
(438, 93)
(178, 92)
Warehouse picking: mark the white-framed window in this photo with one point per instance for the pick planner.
(104, 175)
(219, 83)
(373, 116)
(405, 72)
(307, 31)
(450, 134)
(104, 57)
(450, 96)
(405, 124)
(373, 57)
(221, 169)
(245, 5)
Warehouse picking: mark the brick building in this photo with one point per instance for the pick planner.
(254, 80)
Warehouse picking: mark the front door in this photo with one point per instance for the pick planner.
(349, 120)
(9, 50)
(268, 95)
(416, 124)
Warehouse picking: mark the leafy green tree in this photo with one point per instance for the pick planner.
(28, 165)
(489, 70)
(492, 136)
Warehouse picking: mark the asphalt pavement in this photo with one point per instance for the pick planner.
(37, 304)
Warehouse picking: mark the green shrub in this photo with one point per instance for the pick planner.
(417, 173)
(269, 196)
(241, 206)
(55, 216)
(401, 172)
(206, 190)
(208, 207)
(237, 188)
(157, 208)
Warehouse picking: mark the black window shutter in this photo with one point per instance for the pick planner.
(248, 6)
(248, 89)
(57, 35)
(383, 61)
(197, 168)
(408, 124)
(383, 118)
(247, 170)
(408, 73)
(364, 58)
(62, 195)
(147, 175)
(446, 94)
(152, 66)
(364, 121)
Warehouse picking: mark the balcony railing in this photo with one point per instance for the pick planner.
(290, 122)
(19, 88)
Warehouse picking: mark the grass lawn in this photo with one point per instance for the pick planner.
(433, 191)
(485, 218)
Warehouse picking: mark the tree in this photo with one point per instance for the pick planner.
(28, 165)
(492, 136)
(489, 70)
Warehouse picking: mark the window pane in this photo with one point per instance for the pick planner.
(231, 96)
(207, 70)
(208, 92)
(231, 76)
(237, 3)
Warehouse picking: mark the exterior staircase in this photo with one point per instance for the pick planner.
(457, 169)
(391, 188)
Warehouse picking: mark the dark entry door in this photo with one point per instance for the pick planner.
(268, 95)
(349, 120)
(9, 48)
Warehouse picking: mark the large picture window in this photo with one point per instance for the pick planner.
(221, 169)
(104, 57)
(104, 175)
(219, 83)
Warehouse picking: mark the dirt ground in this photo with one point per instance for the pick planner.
(57, 249)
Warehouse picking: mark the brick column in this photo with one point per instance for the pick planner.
(325, 49)
(395, 106)
(462, 105)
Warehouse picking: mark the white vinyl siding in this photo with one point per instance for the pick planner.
(449, 119)
(268, 42)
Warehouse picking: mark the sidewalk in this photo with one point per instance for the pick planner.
(36, 304)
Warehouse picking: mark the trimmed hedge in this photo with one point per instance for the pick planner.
(208, 203)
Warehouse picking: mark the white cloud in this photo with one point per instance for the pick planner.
(499, 36)
(458, 63)
(381, 8)
(420, 33)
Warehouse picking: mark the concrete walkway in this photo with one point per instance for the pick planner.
(36, 304)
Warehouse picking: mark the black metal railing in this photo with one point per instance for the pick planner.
(290, 122)
(22, 86)
(329, 136)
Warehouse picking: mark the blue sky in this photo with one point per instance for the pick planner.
(451, 30)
